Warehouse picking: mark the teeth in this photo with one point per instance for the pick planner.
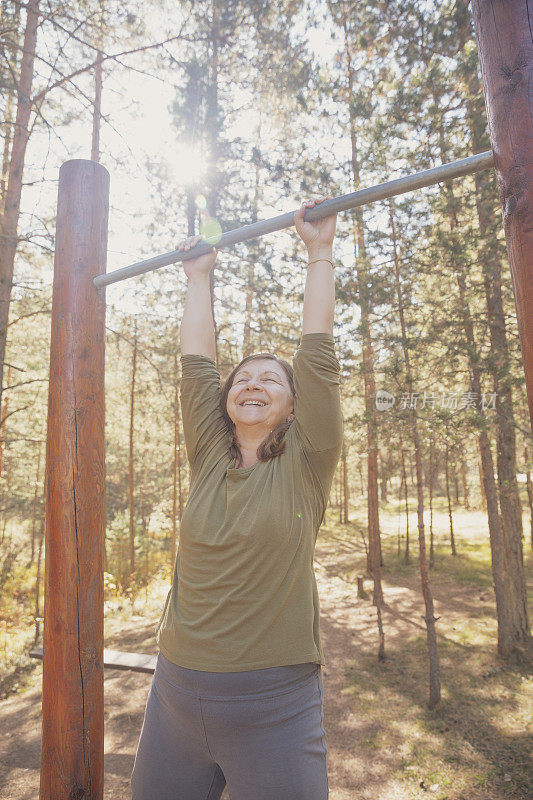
(252, 403)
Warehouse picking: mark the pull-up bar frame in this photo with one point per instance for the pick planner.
(363, 197)
(72, 748)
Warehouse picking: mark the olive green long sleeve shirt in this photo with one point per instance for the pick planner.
(244, 593)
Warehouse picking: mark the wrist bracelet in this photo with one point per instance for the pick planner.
(321, 259)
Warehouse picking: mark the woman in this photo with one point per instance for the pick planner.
(237, 694)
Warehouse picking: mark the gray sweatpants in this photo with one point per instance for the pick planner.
(260, 731)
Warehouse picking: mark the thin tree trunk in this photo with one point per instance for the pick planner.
(374, 549)
(465, 485)
(212, 129)
(384, 478)
(37, 613)
(406, 499)
(131, 474)
(7, 495)
(448, 497)
(367, 348)
(97, 108)
(34, 511)
(529, 488)
(482, 486)
(7, 492)
(430, 619)
(400, 488)
(248, 344)
(339, 495)
(175, 464)
(3, 421)
(10, 217)
(431, 538)
(345, 487)
(7, 145)
(455, 483)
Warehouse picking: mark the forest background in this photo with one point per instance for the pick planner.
(209, 115)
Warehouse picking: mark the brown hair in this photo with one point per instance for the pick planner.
(274, 444)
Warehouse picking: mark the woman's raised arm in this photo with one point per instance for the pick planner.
(197, 330)
(319, 294)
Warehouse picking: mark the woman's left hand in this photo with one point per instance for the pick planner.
(317, 236)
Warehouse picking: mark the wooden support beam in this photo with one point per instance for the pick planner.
(72, 746)
(504, 37)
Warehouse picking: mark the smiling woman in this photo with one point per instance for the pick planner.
(241, 617)
(258, 430)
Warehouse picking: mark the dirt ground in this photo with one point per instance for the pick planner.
(380, 734)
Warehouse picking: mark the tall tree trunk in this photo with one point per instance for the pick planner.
(341, 503)
(367, 345)
(529, 488)
(455, 482)
(431, 538)
(490, 259)
(3, 420)
(6, 493)
(430, 619)
(34, 511)
(384, 476)
(37, 595)
(97, 108)
(497, 539)
(6, 151)
(212, 126)
(503, 32)
(345, 487)
(175, 463)
(248, 344)
(448, 496)
(465, 485)
(482, 485)
(131, 470)
(10, 216)
(406, 498)
(499, 562)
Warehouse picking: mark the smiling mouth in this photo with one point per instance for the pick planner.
(255, 405)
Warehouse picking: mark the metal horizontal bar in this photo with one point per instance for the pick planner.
(409, 183)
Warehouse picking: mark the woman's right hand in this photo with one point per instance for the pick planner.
(197, 266)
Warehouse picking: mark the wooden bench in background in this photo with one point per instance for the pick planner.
(114, 659)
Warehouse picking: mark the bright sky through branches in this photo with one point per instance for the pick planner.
(139, 139)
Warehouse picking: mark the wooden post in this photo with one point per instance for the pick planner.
(503, 31)
(72, 747)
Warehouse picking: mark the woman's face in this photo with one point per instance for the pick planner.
(265, 381)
